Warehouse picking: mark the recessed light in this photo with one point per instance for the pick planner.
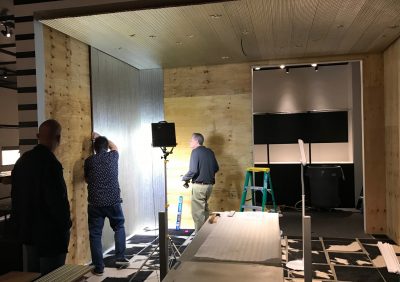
(225, 57)
(257, 68)
(282, 66)
(314, 65)
(216, 16)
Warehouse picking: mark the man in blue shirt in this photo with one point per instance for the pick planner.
(104, 200)
(202, 170)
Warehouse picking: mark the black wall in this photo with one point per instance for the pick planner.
(312, 127)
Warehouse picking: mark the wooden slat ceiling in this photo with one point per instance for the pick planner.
(238, 31)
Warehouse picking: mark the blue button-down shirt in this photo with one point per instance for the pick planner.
(101, 173)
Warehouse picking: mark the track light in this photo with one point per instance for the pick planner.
(287, 70)
(8, 28)
(6, 32)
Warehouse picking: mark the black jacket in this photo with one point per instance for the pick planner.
(40, 207)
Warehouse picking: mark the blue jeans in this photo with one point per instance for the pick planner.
(96, 216)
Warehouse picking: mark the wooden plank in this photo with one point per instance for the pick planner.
(67, 100)
(16, 276)
(392, 135)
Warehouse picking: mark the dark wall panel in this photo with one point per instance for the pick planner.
(288, 189)
(125, 102)
(312, 127)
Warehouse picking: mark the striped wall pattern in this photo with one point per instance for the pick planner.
(26, 77)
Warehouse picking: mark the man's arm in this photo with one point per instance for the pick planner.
(193, 167)
(216, 166)
(112, 146)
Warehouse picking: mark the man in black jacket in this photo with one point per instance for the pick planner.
(40, 207)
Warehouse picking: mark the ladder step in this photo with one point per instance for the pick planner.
(252, 207)
(257, 188)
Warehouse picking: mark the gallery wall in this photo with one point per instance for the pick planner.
(392, 135)
(125, 101)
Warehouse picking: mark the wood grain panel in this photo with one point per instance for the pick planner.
(221, 110)
(67, 99)
(374, 132)
(192, 35)
(195, 90)
(392, 123)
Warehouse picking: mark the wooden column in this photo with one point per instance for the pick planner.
(67, 99)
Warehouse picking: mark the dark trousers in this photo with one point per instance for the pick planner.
(96, 216)
(32, 262)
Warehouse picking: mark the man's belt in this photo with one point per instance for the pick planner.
(203, 183)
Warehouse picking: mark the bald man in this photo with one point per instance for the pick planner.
(40, 208)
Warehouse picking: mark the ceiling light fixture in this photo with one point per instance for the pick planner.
(282, 66)
(257, 68)
(8, 26)
(314, 65)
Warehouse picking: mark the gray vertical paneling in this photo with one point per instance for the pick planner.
(125, 101)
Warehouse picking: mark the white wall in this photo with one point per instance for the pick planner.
(302, 90)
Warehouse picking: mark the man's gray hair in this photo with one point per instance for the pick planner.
(199, 137)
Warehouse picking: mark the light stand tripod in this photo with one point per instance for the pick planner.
(165, 242)
(305, 263)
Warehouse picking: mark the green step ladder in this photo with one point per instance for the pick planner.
(265, 189)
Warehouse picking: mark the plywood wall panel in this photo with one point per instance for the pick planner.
(215, 101)
(374, 144)
(67, 99)
(197, 99)
(392, 134)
